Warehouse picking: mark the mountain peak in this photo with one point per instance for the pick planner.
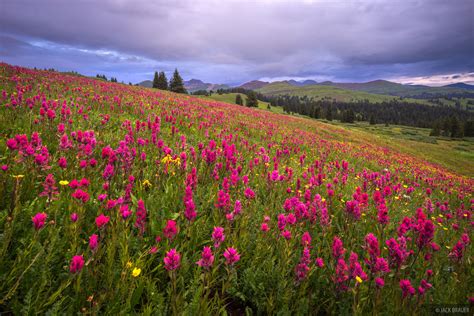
(254, 84)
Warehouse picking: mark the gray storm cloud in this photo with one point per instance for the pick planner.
(225, 41)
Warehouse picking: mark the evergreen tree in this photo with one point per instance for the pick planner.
(252, 99)
(469, 129)
(155, 80)
(348, 116)
(176, 83)
(372, 119)
(162, 81)
(329, 113)
(446, 127)
(436, 131)
(456, 128)
(238, 99)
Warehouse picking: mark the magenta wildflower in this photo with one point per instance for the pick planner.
(286, 234)
(49, 187)
(281, 221)
(39, 220)
(190, 207)
(319, 262)
(425, 230)
(108, 172)
(353, 209)
(379, 282)
(140, 215)
(218, 236)
(306, 239)
(62, 163)
(337, 248)
(407, 288)
(302, 268)
(249, 194)
(381, 265)
(382, 214)
(355, 269)
(341, 274)
(93, 242)
(77, 262)
(231, 256)
(207, 258)
(170, 229)
(397, 252)
(172, 260)
(101, 220)
(373, 248)
(125, 211)
(74, 217)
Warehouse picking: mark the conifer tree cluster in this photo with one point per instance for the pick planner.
(160, 81)
(176, 83)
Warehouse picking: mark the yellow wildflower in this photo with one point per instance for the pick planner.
(166, 159)
(146, 184)
(19, 176)
(358, 279)
(129, 264)
(63, 182)
(136, 272)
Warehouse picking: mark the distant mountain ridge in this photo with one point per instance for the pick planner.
(190, 85)
(380, 87)
(254, 85)
(196, 84)
(301, 83)
(461, 85)
(146, 84)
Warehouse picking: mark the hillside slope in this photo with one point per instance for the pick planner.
(117, 199)
(321, 92)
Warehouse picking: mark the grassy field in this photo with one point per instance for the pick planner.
(230, 98)
(117, 199)
(453, 154)
(328, 92)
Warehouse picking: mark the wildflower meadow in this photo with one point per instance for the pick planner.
(117, 199)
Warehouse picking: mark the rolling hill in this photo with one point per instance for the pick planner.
(401, 90)
(321, 92)
(146, 84)
(196, 84)
(254, 85)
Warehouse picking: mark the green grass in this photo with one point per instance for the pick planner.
(328, 92)
(456, 155)
(230, 98)
(453, 154)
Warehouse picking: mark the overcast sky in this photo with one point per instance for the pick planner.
(409, 41)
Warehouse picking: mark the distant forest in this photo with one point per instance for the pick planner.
(444, 120)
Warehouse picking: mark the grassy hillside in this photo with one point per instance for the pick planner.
(396, 89)
(117, 199)
(230, 98)
(455, 155)
(324, 92)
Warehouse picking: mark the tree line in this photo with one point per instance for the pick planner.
(443, 120)
(176, 83)
(104, 77)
